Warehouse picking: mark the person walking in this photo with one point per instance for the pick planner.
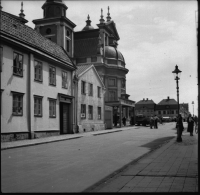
(151, 122)
(190, 121)
(124, 121)
(155, 122)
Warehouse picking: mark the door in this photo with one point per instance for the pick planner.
(64, 118)
(108, 119)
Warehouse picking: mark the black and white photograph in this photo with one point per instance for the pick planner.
(99, 96)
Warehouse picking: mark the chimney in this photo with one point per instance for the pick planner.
(143, 99)
(147, 99)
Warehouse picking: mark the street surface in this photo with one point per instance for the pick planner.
(74, 165)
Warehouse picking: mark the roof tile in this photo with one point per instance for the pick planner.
(12, 27)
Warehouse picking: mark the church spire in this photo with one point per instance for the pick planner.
(102, 20)
(108, 17)
(22, 15)
(88, 24)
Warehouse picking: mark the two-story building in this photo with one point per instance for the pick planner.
(90, 99)
(146, 107)
(36, 83)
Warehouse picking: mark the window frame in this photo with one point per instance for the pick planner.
(36, 77)
(52, 112)
(36, 114)
(17, 94)
(99, 113)
(17, 66)
(83, 87)
(109, 96)
(90, 112)
(98, 92)
(90, 89)
(109, 82)
(65, 81)
(50, 75)
(83, 111)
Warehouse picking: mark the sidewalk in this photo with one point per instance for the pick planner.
(29, 142)
(171, 168)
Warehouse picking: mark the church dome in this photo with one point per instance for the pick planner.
(113, 53)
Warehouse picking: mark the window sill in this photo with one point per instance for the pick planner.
(17, 75)
(17, 114)
(38, 81)
(53, 85)
(52, 116)
(40, 116)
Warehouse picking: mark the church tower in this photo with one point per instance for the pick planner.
(56, 26)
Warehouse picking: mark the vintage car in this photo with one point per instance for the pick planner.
(142, 119)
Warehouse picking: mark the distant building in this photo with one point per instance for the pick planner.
(169, 108)
(90, 99)
(146, 107)
(36, 83)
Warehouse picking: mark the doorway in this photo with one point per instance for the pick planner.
(64, 118)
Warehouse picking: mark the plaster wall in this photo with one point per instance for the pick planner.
(95, 123)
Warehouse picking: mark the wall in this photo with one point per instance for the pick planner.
(87, 124)
(10, 82)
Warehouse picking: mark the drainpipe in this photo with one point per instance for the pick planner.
(31, 134)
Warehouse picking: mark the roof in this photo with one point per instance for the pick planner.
(167, 101)
(12, 28)
(82, 69)
(85, 47)
(145, 102)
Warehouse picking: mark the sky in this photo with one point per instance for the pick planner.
(155, 36)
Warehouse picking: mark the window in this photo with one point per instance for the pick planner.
(83, 85)
(112, 82)
(111, 95)
(90, 112)
(64, 80)
(38, 71)
(17, 104)
(18, 64)
(164, 112)
(83, 111)
(172, 112)
(1, 58)
(168, 112)
(98, 92)
(52, 75)
(99, 113)
(176, 111)
(123, 83)
(68, 40)
(90, 89)
(52, 108)
(159, 112)
(37, 106)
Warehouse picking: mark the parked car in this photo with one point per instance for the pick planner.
(142, 119)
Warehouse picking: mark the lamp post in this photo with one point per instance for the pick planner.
(193, 107)
(176, 73)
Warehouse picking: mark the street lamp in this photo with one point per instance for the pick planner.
(177, 74)
(193, 107)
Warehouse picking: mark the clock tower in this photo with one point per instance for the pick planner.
(56, 26)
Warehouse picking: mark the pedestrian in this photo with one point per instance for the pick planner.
(161, 120)
(124, 121)
(155, 122)
(115, 120)
(190, 121)
(151, 121)
(180, 124)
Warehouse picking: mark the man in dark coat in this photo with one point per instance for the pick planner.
(190, 121)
